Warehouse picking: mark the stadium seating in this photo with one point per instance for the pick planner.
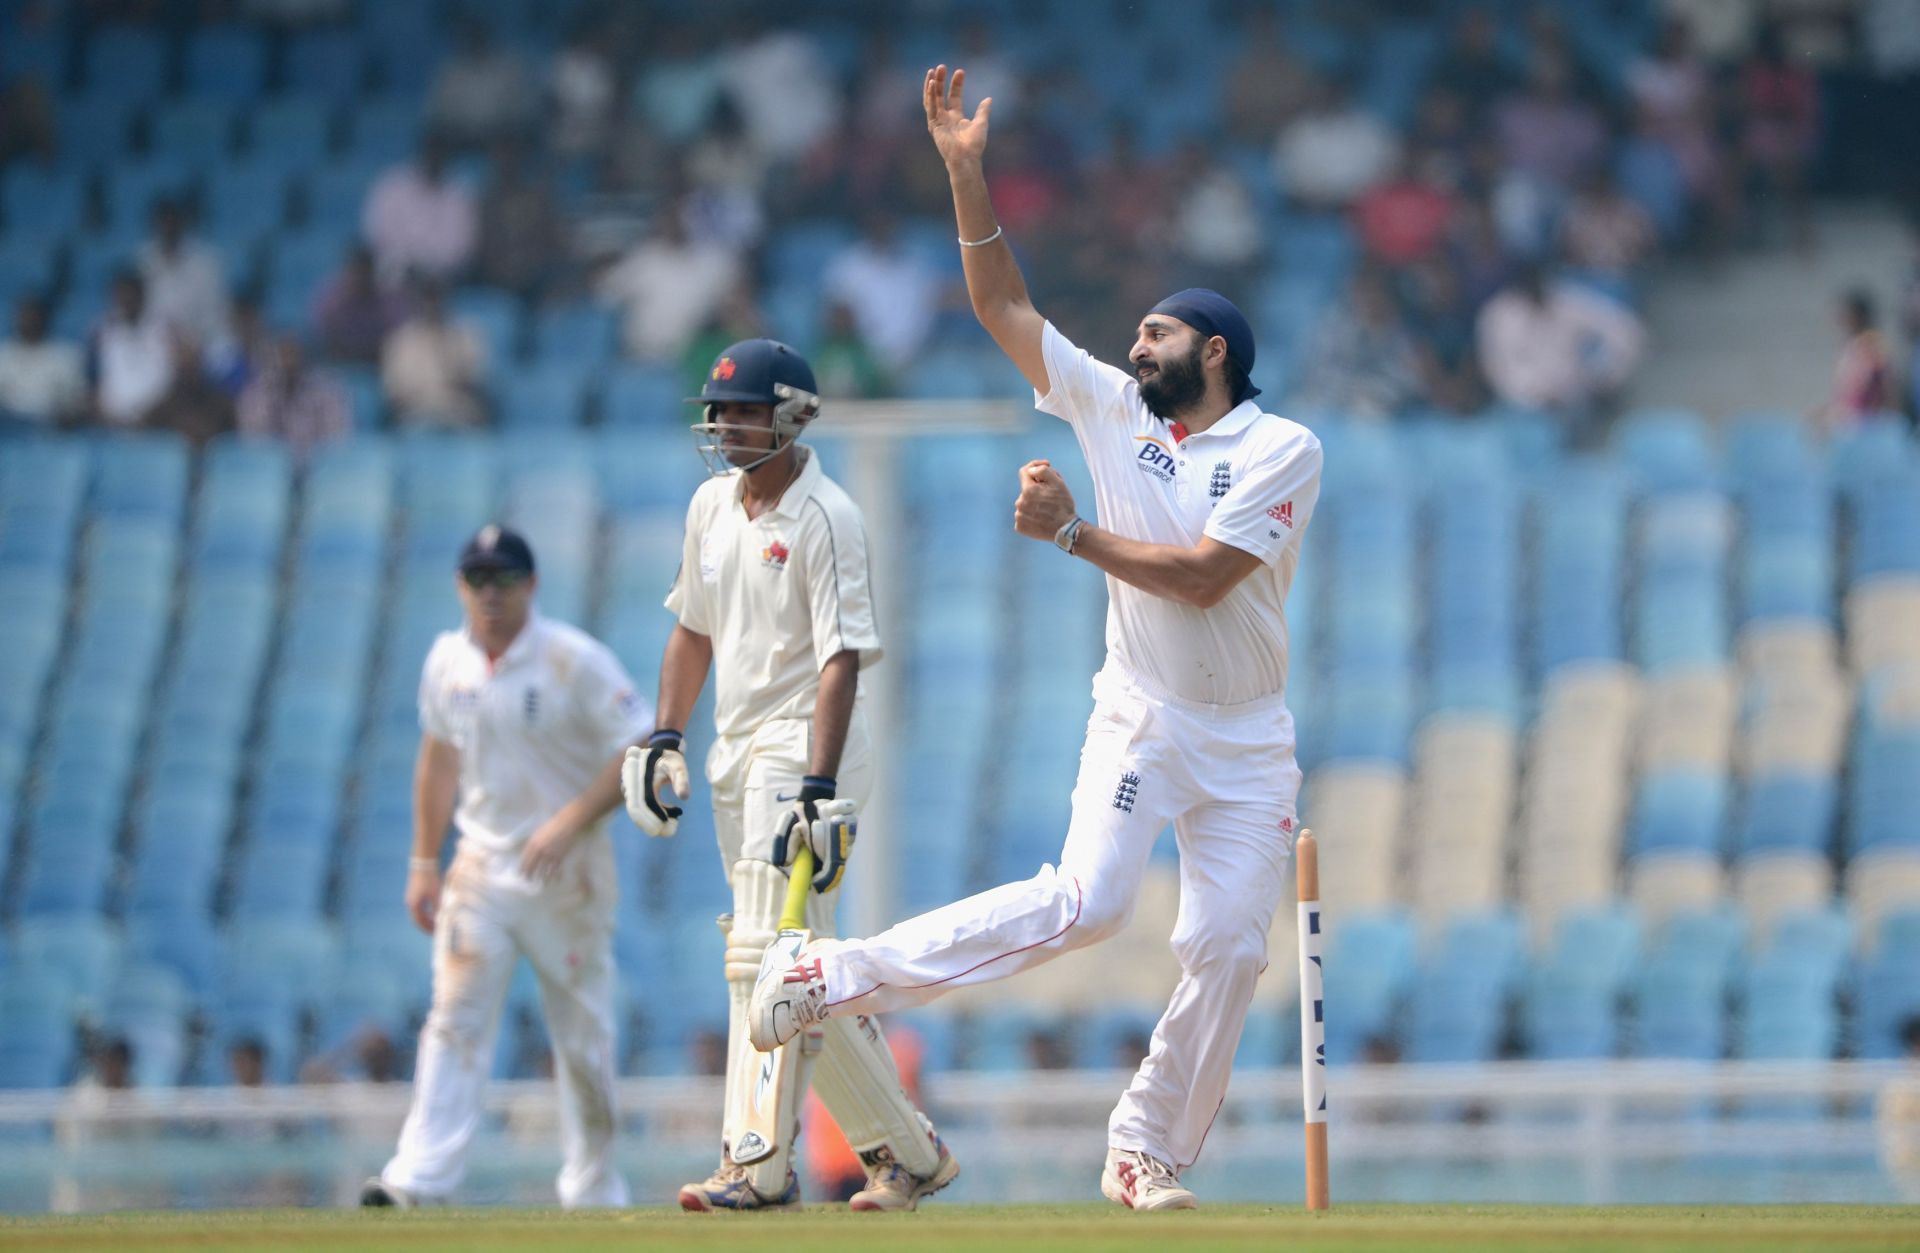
(1610, 752)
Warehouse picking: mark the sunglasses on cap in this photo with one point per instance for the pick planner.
(484, 577)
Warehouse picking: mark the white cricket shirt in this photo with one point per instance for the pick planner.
(779, 595)
(1250, 480)
(532, 729)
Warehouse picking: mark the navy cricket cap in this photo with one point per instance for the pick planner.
(1210, 313)
(496, 548)
(748, 371)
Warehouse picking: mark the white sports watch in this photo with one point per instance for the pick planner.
(1064, 537)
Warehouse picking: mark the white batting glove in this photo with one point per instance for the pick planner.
(828, 827)
(644, 772)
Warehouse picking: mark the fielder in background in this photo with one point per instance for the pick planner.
(1202, 499)
(526, 721)
(773, 595)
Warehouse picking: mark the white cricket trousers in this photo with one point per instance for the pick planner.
(1226, 778)
(491, 915)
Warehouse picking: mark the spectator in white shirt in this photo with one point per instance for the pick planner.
(580, 89)
(1556, 347)
(893, 293)
(133, 355)
(418, 218)
(186, 284)
(482, 93)
(433, 368)
(43, 381)
(803, 111)
(668, 287)
(1333, 151)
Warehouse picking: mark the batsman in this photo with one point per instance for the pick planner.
(774, 596)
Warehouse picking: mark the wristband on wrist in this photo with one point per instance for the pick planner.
(665, 737)
(423, 863)
(816, 787)
(1064, 537)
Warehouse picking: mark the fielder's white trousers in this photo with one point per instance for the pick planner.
(490, 915)
(1226, 778)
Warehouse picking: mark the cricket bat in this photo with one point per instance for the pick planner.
(773, 1105)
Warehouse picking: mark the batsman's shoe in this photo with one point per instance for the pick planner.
(1142, 1181)
(377, 1193)
(786, 1001)
(891, 1186)
(728, 1189)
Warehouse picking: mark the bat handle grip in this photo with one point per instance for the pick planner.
(793, 917)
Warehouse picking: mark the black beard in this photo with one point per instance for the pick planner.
(1178, 385)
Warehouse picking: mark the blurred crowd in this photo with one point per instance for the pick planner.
(1488, 245)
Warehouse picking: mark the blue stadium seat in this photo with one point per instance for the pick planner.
(495, 317)
(226, 63)
(40, 54)
(1884, 791)
(383, 130)
(327, 64)
(128, 62)
(1788, 1006)
(290, 134)
(390, 942)
(799, 253)
(195, 132)
(583, 335)
(134, 188)
(542, 397)
(1788, 578)
(246, 201)
(1679, 809)
(27, 265)
(183, 942)
(294, 953)
(40, 202)
(1886, 527)
(140, 476)
(1670, 450)
(1870, 453)
(642, 397)
(36, 1031)
(95, 129)
(1680, 626)
(64, 879)
(1787, 812)
(361, 997)
(1374, 955)
(1766, 451)
(81, 950)
(1568, 1014)
(1679, 1008)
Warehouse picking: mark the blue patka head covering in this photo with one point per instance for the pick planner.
(1210, 313)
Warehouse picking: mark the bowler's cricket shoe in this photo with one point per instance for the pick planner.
(728, 1189)
(891, 1186)
(377, 1193)
(786, 1001)
(1142, 1181)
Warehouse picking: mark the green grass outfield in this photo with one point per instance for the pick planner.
(996, 1229)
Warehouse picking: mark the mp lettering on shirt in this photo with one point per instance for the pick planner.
(1249, 481)
(532, 728)
(779, 595)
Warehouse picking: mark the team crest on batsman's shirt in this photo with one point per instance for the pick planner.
(775, 554)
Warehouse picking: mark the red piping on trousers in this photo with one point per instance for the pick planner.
(1079, 901)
